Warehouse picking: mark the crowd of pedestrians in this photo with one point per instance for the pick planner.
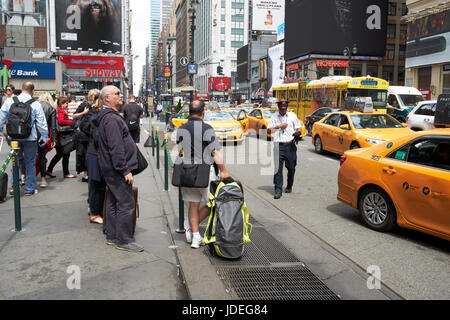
(102, 133)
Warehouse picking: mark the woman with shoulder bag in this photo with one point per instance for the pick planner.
(47, 104)
(64, 135)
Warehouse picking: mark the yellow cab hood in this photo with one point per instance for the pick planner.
(223, 124)
(384, 134)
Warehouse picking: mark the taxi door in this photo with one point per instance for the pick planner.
(329, 134)
(252, 120)
(243, 120)
(420, 188)
(343, 137)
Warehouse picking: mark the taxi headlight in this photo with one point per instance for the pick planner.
(374, 141)
(236, 128)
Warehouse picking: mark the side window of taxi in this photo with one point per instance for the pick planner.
(333, 120)
(253, 113)
(431, 152)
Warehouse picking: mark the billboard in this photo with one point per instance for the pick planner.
(328, 26)
(276, 65)
(267, 15)
(32, 70)
(89, 24)
(428, 40)
(219, 83)
(79, 62)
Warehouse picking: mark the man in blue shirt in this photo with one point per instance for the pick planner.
(28, 146)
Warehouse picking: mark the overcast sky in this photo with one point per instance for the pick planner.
(140, 37)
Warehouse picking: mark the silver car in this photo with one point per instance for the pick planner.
(422, 116)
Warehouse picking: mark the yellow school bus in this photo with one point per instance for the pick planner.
(305, 97)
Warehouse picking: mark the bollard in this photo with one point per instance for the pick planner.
(180, 212)
(17, 214)
(153, 141)
(157, 148)
(166, 163)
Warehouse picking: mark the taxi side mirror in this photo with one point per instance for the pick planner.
(405, 125)
(258, 117)
(345, 127)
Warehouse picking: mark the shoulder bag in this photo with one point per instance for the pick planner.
(191, 175)
(142, 163)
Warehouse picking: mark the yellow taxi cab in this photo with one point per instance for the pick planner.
(225, 126)
(344, 130)
(404, 182)
(258, 119)
(181, 117)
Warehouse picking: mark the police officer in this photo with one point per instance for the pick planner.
(283, 125)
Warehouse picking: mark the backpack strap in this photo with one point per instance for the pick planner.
(30, 102)
(16, 100)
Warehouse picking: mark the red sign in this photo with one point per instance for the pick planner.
(202, 96)
(426, 93)
(292, 67)
(167, 72)
(103, 73)
(333, 63)
(80, 62)
(219, 83)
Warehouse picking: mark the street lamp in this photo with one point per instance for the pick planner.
(192, 11)
(350, 53)
(169, 43)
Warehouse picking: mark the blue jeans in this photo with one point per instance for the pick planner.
(27, 153)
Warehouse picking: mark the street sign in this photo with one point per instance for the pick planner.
(161, 79)
(192, 68)
(184, 61)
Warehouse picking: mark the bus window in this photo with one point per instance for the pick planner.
(379, 97)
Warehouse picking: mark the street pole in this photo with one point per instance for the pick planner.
(194, 4)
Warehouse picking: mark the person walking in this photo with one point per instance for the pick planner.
(190, 136)
(27, 152)
(133, 113)
(283, 125)
(47, 103)
(117, 158)
(9, 93)
(96, 183)
(63, 120)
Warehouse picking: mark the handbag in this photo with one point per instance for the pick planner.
(189, 175)
(63, 129)
(142, 163)
(67, 143)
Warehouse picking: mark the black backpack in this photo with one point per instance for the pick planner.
(19, 122)
(132, 118)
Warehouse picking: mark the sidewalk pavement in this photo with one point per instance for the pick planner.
(57, 234)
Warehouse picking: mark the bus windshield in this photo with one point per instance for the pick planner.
(411, 100)
(379, 97)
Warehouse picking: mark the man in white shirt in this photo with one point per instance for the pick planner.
(283, 125)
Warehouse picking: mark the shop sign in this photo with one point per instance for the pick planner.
(426, 93)
(31, 70)
(333, 63)
(167, 72)
(292, 67)
(103, 73)
(79, 62)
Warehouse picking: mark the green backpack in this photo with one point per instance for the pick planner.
(227, 231)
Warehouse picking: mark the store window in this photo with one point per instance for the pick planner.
(401, 75)
(27, 13)
(339, 71)
(372, 70)
(424, 78)
(322, 72)
(388, 73)
(355, 70)
(446, 83)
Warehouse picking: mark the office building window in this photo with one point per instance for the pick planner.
(446, 83)
(401, 75)
(388, 73)
(424, 78)
(391, 31)
(390, 52)
(392, 9)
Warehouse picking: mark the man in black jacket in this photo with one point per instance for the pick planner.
(117, 158)
(132, 113)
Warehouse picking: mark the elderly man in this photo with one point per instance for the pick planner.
(28, 145)
(117, 158)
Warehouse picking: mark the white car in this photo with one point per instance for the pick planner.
(422, 116)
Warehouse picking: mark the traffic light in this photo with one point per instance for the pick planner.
(220, 70)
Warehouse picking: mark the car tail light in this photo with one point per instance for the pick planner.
(407, 118)
(343, 158)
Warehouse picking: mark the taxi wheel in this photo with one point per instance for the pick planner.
(318, 145)
(377, 210)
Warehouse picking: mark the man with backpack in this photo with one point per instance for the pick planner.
(132, 113)
(23, 115)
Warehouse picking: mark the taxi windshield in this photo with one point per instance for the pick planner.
(235, 111)
(216, 116)
(411, 100)
(379, 97)
(374, 121)
(269, 113)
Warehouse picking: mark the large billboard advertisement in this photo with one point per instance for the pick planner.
(267, 15)
(219, 83)
(328, 26)
(428, 40)
(276, 65)
(85, 24)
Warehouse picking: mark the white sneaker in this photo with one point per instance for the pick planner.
(196, 242)
(188, 232)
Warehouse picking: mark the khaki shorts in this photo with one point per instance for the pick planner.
(200, 195)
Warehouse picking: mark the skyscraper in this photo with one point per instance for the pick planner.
(159, 15)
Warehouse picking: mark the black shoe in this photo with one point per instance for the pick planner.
(288, 190)
(84, 180)
(277, 195)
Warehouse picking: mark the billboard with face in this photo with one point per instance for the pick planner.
(428, 40)
(85, 24)
(328, 26)
(219, 83)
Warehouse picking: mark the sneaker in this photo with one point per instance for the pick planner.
(188, 232)
(31, 193)
(111, 242)
(288, 190)
(277, 195)
(11, 192)
(196, 242)
(132, 247)
(43, 184)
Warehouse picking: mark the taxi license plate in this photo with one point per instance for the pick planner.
(223, 136)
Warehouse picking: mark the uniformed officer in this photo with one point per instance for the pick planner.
(283, 125)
